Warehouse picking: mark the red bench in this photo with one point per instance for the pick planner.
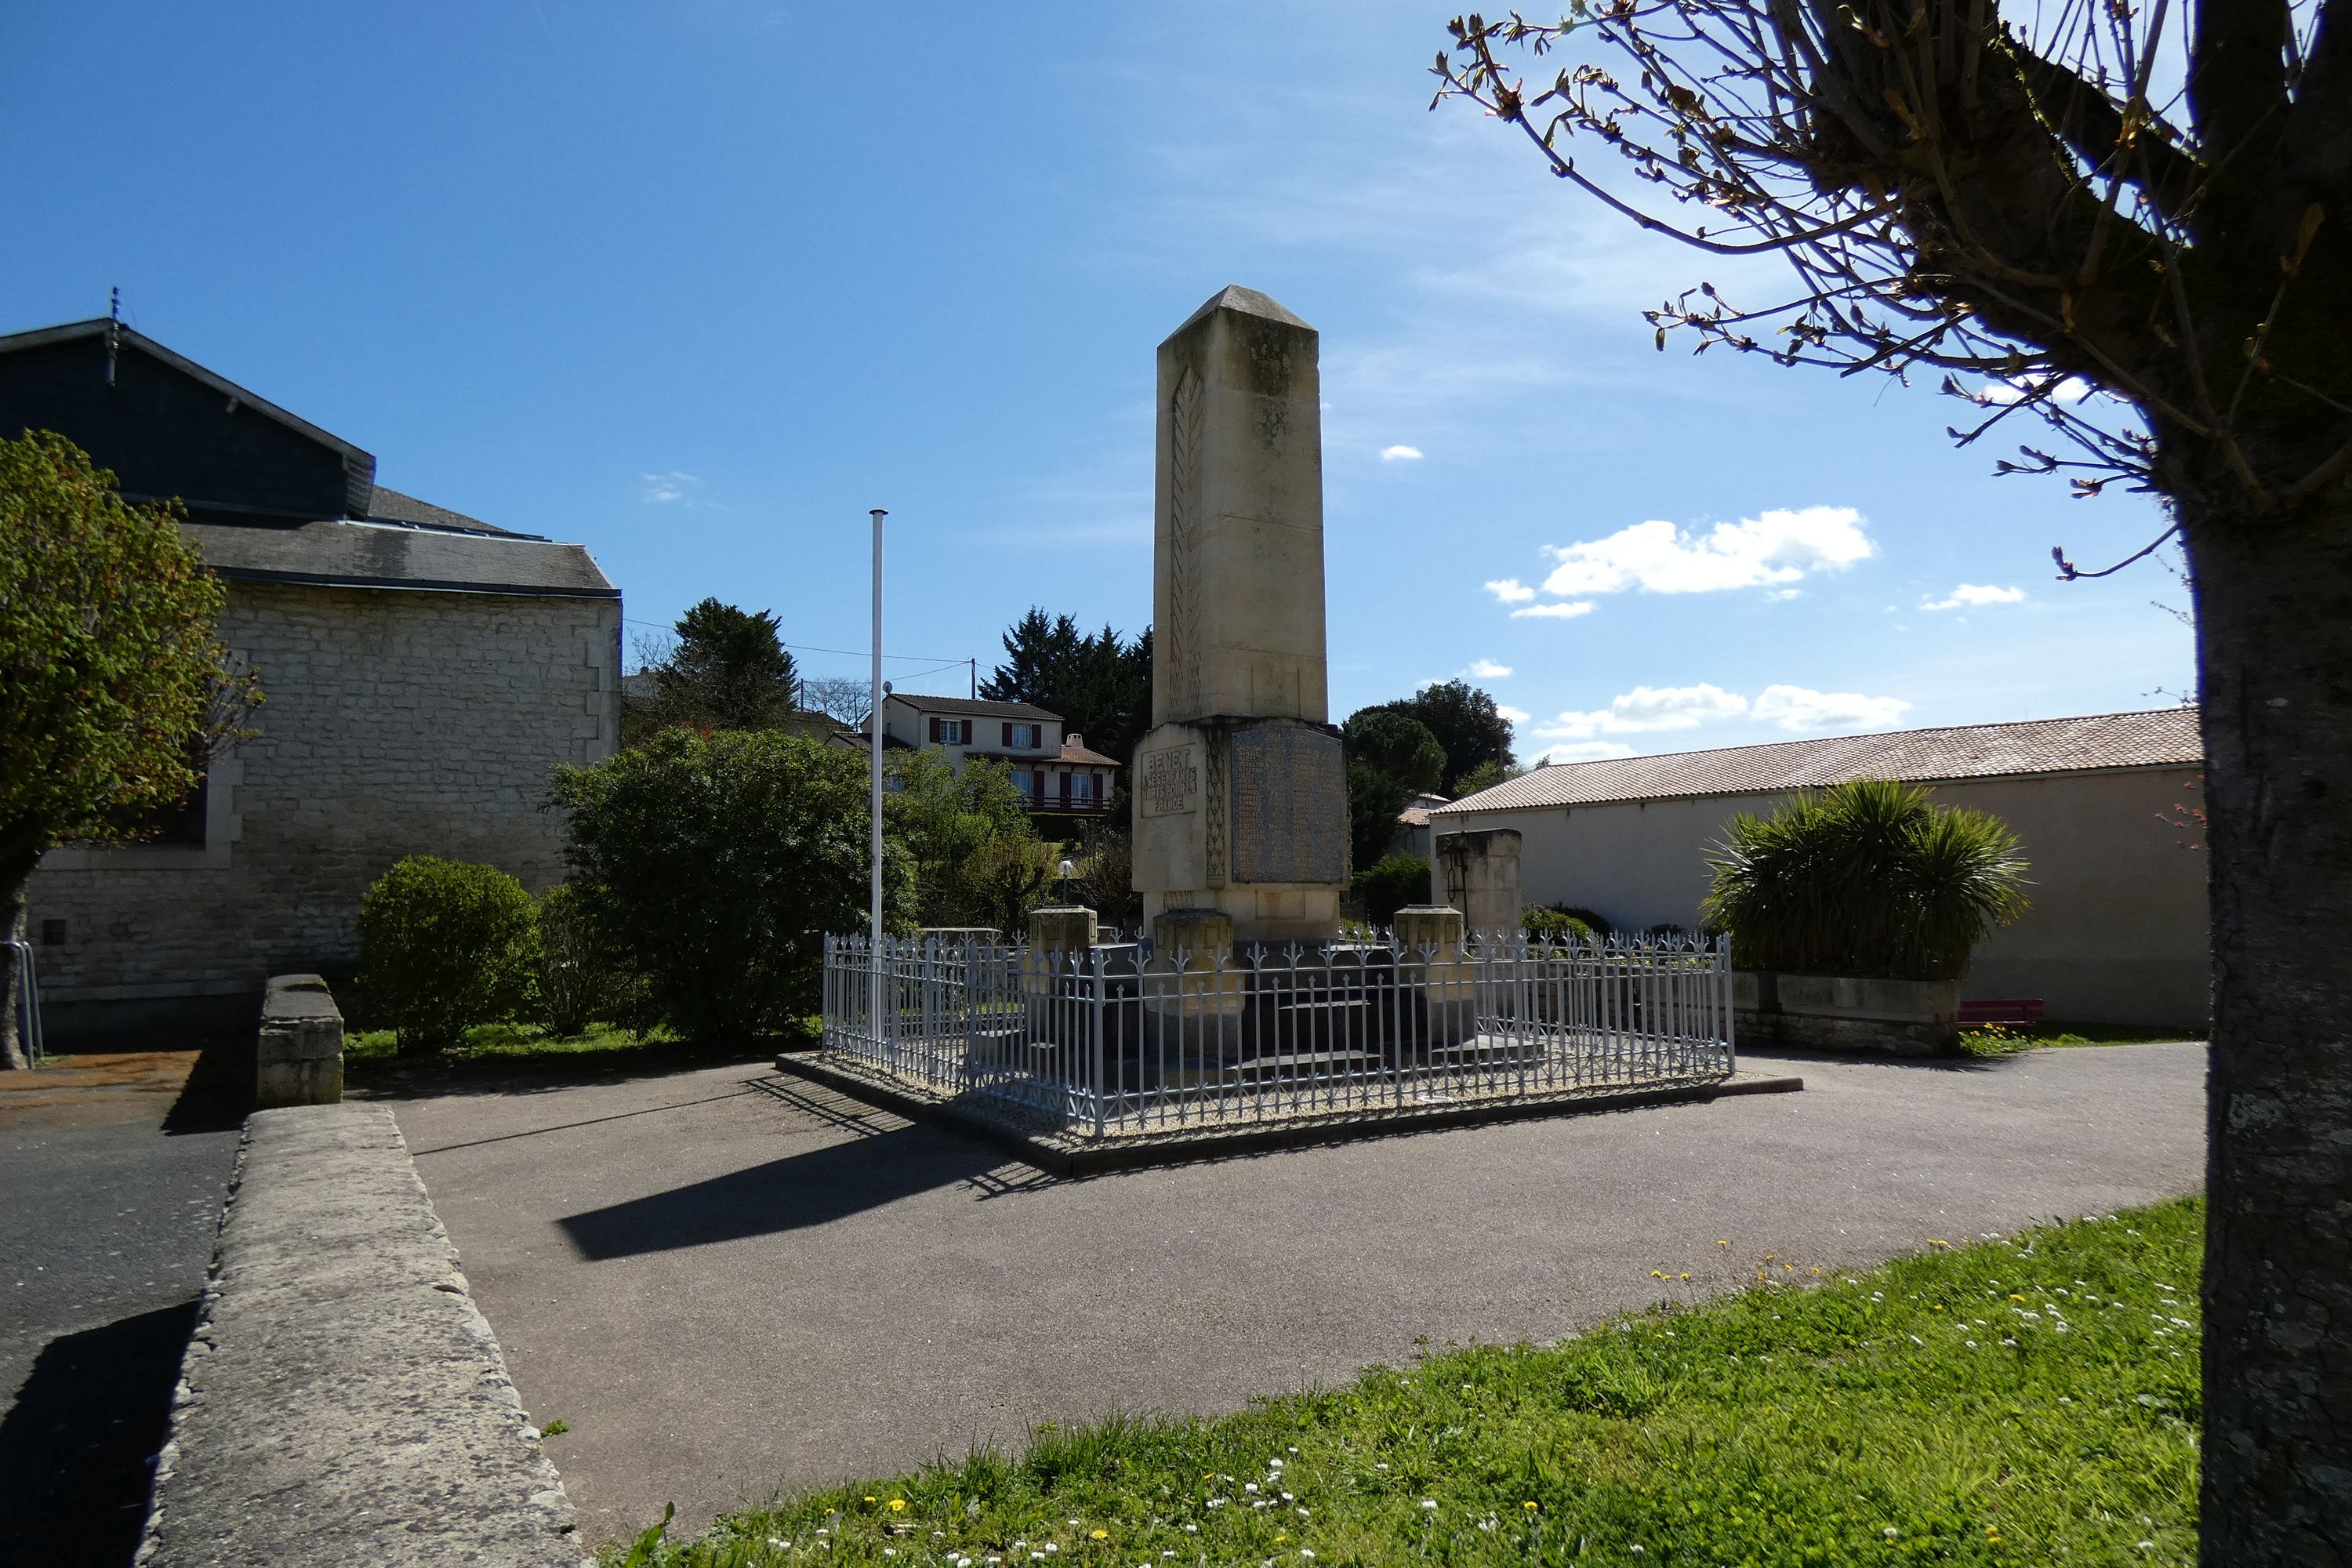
(2008, 1010)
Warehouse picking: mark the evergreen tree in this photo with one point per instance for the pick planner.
(1466, 723)
(1098, 683)
(729, 671)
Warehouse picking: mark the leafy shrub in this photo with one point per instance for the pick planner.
(1598, 922)
(713, 866)
(1866, 879)
(1388, 887)
(580, 981)
(1557, 925)
(445, 945)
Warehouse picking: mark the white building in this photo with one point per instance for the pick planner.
(1052, 770)
(2104, 805)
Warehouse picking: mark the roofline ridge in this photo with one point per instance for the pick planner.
(1866, 735)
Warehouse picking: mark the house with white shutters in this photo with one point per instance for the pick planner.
(1052, 770)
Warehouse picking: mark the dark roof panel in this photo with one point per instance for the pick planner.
(980, 708)
(390, 505)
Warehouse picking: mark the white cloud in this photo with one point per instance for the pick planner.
(1588, 752)
(1515, 715)
(1795, 708)
(1487, 669)
(663, 489)
(1786, 593)
(1400, 454)
(1968, 594)
(1555, 612)
(1510, 590)
(1656, 557)
(1649, 707)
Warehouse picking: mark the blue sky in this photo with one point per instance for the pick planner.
(698, 283)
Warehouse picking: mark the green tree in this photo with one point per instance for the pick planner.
(715, 865)
(114, 684)
(955, 829)
(2133, 224)
(1468, 724)
(1101, 685)
(1867, 877)
(1392, 757)
(727, 670)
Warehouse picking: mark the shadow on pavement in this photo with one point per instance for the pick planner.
(802, 1190)
(78, 1448)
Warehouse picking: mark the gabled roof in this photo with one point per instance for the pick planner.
(390, 505)
(391, 555)
(129, 337)
(1073, 750)
(2157, 737)
(979, 708)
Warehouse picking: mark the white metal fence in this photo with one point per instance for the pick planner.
(1119, 1039)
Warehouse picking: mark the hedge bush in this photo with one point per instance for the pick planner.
(1557, 925)
(1388, 887)
(581, 980)
(713, 866)
(1868, 878)
(445, 945)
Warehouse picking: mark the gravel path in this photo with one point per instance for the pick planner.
(723, 1290)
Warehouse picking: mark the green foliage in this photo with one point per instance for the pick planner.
(1486, 776)
(714, 866)
(1468, 724)
(728, 671)
(1557, 925)
(1396, 744)
(1868, 878)
(580, 981)
(2031, 1400)
(1391, 883)
(1374, 803)
(112, 677)
(1100, 686)
(445, 945)
(976, 857)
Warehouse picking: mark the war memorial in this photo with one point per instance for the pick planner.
(1246, 999)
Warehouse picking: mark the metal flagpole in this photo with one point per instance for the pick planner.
(875, 723)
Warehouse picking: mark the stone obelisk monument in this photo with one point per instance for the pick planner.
(1240, 801)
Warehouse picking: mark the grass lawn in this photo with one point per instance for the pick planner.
(2008, 1039)
(369, 1055)
(2033, 1399)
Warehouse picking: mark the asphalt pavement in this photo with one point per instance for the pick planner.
(728, 1282)
(111, 1178)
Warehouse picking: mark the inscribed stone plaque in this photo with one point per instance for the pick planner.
(1171, 782)
(1290, 805)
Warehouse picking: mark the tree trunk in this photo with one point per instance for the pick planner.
(15, 879)
(2275, 647)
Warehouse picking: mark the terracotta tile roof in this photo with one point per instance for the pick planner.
(2155, 738)
(1076, 750)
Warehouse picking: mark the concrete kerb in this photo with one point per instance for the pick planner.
(343, 1400)
(1059, 1156)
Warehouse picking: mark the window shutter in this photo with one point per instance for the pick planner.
(935, 732)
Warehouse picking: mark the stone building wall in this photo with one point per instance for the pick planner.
(398, 722)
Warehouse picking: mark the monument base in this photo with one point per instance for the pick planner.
(1247, 817)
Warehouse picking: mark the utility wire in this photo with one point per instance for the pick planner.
(812, 648)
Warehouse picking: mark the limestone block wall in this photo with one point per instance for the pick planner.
(2117, 933)
(398, 722)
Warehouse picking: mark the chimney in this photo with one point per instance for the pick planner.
(1073, 742)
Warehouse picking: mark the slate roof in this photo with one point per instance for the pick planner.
(2156, 737)
(979, 708)
(390, 505)
(397, 555)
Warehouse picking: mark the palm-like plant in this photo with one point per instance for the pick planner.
(1868, 878)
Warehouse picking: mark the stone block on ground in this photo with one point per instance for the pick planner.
(299, 1053)
(342, 1401)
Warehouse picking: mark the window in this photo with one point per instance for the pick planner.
(951, 732)
(1024, 737)
(1024, 784)
(1082, 787)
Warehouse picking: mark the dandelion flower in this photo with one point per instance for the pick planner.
(897, 1505)
(1098, 1535)
(1528, 1506)
(1657, 1274)
(873, 1500)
